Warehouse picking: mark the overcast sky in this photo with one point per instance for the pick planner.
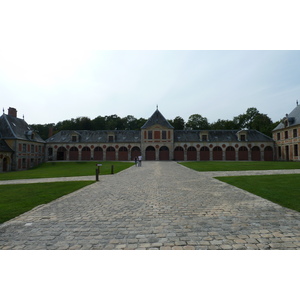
(48, 76)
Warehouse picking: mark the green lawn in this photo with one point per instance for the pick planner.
(66, 169)
(205, 166)
(17, 199)
(281, 189)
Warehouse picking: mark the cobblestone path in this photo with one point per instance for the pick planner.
(161, 205)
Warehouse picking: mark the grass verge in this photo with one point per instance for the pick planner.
(66, 169)
(17, 199)
(207, 166)
(281, 189)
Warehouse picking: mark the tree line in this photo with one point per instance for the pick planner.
(251, 119)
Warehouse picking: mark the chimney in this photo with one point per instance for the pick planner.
(50, 131)
(12, 112)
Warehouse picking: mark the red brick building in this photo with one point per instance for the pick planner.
(21, 147)
(287, 136)
(158, 140)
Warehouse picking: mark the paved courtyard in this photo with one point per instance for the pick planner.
(161, 205)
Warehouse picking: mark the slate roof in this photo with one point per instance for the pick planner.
(4, 147)
(157, 118)
(293, 118)
(219, 136)
(96, 136)
(15, 128)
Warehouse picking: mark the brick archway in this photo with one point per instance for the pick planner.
(217, 153)
(110, 153)
(150, 153)
(268, 154)
(255, 153)
(178, 153)
(123, 154)
(191, 153)
(164, 153)
(98, 153)
(86, 153)
(74, 153)
(230, 153)
(135, 152)
(204, 153)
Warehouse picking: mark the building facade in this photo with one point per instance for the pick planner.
(158, 140)
(21, 148)
(287, 136)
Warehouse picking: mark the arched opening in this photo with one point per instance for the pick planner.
(86, 153)
(5, 164)
(255, 153)
(74, 153)
(61, 153)
(150, 153)
(164, 153)
(217, 153)
(243, 153)
(135, 152)
(50, 153)
(110, 153)
(191, 153)
(268, 153)
(178, 153)
(204, 153)
(123, 154)
(98, 153)
(230, 153)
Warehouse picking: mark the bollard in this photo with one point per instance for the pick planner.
(98, 171)
(112, 169)
(97, 174)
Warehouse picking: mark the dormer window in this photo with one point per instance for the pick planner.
(242, 135)
(74, 138)
(204, 137)
(110, 138)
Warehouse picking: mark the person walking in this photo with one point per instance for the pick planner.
(140, 160)
(136, 161)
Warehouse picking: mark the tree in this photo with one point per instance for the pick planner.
(130, 122)
(197, 122)
(178, 123)
(224, 125)
(98, 123)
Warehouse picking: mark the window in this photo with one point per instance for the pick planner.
(279, 152)
(164, 135)
(23, 163)
(286, 134)
(278, 136)
(294, 133)
(204, 137)
(110, 139)
(24, 148)
(74, 138)
(295, 150)
(32, 148)
(243, 137)
(149, 135)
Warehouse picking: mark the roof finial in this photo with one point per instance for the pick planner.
(156, 106)
(297, 102)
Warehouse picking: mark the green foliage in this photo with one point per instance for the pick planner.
(251, 119)
(281, 189)
(178, 123)
(17, 199)
(66, 169)
(207, 166)
(197, 122)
